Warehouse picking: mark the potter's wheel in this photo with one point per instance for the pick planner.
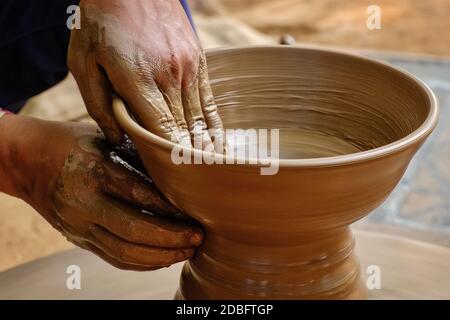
(409, 270)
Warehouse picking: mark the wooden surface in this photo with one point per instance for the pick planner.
(409, 270)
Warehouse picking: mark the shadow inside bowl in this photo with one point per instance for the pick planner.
(324, 105)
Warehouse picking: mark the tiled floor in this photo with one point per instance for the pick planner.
(421, 202)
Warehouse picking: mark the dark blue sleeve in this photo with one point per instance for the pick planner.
(188, 12)
(33, 48)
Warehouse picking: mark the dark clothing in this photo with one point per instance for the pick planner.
(33, 47)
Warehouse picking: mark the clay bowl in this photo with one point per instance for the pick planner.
(349, 127)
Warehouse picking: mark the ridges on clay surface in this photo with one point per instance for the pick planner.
(315, 98)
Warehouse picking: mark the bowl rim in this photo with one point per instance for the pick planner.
(128, 124)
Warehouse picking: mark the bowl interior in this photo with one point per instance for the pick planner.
(324, 103)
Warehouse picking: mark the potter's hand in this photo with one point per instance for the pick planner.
(147, 52)
(94, 201)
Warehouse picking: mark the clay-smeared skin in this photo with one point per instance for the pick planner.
(147, 52)
(286, 236)
(83, 189)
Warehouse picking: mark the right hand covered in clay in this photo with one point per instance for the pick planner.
(146, 52)
(65, 171)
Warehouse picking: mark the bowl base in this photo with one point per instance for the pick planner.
(319, 267)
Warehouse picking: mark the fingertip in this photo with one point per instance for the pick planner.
(196, 239)
(187, 254)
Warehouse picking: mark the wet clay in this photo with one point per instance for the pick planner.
(95, 207)
(348, 128)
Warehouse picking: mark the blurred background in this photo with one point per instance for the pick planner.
(414, 35)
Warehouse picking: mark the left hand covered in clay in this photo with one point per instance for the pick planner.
(147, 52)
(84, 189)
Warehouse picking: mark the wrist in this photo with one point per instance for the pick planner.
(18, 140)
(7, 176)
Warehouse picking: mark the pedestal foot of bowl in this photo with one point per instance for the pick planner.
(321, 266)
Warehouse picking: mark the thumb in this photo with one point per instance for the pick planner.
(122, 181)
(97, 91)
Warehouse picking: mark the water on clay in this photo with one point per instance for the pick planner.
(304, 133)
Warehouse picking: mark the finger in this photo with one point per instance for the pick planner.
(115, 263)
(174, 102)
(126, 183)
(209, 108)
(136, 226)
(131, 253)
(148, 105)
(97, 95)
(194, 117)
(88, 239)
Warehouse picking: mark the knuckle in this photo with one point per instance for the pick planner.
(130, 229)
(210, 107)
(121, 252)
(172, 63)
(181, 123)
(191, 68)
(172, 58)
(199, 120)
(192, 60)
(198, 130)
(202, 60)
(175, 70)
(167, 123)
(199, 123)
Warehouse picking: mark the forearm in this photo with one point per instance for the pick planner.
(8, 148)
